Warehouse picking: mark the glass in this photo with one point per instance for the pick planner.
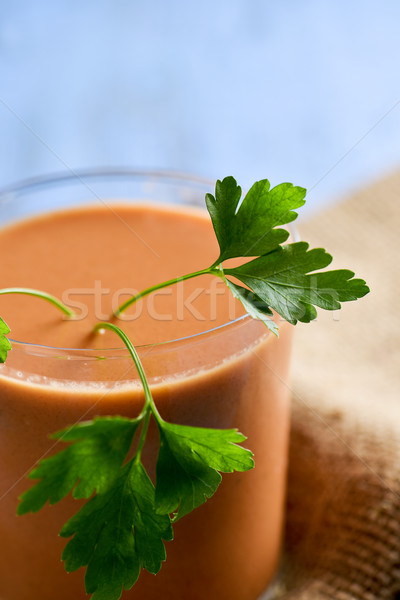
(234, 375)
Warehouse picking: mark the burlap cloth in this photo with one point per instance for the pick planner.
(343, 524)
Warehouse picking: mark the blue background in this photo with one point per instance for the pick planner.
(302, 91)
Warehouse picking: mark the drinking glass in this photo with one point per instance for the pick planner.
(230, 376)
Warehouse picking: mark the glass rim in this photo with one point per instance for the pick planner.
(77, 176)
(33, 348)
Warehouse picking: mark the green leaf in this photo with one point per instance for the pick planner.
(5, 345)
(254, 306)
(91, 464)
(249, 230)
(284, 280)
(189, 464)
(116, 534)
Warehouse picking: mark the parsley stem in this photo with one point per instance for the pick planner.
(143, 434)
(149, 407)
(30, 292)
(149, 402)
(160, 286)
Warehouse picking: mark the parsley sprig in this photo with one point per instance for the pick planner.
(122, 528)
(5, 344)
(282, 277)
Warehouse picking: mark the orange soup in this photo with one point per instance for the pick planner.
(232, 376)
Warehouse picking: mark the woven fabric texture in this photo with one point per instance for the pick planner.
(342, 537)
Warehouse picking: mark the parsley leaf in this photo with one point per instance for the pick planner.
(189, 462)
(254, 305)
(283, 280)
(91, 464)
(5, 345)
(249, 229)
(116, 534)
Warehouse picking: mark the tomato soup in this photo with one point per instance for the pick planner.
(203, 369)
